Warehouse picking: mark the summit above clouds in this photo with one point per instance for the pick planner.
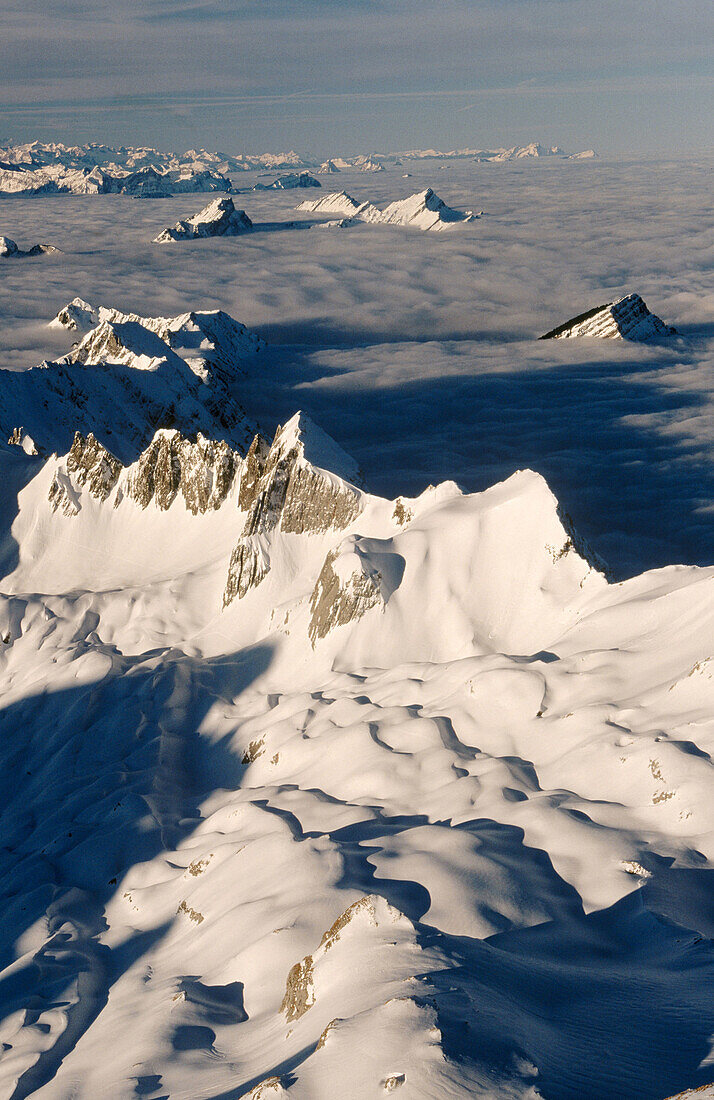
(51, 168)
(356, 667)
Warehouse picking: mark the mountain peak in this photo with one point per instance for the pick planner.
(219, 218)
(627, 318)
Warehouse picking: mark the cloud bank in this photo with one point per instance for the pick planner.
(418, 352)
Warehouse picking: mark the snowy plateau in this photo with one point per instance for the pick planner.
(356, 641)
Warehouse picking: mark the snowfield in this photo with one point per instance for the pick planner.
(330, 770)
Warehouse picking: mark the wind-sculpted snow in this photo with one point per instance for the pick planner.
(348, 808)
(434, 820)
(219, 219)
(626, 319)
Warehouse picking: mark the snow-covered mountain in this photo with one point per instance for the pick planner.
(10, 250)
(129, 375)
(219, 219)
(423, 210)
(45, 168)
(534, 150)
(627, 318)
(146, 182)
(312, 793)
(289, 182)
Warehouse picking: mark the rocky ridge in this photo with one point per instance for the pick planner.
(627, 318)
(128, 375)
(289, 182)
(423, 210)
(219, 219)
(356, 787)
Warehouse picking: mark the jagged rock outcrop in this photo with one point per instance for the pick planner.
(147, 183)
(365, 914)
(627, 318)
(284, 488)
(345, 590)
(253, 469)
(93, 466)
(187, 180)
(211, 341)
(77, 316)
(10, 250)
(20, 438)
(367, 164)
(248, 566)
(339, 202)
(203, 472)
(219, 219)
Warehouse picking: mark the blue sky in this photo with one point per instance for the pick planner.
(355, 75)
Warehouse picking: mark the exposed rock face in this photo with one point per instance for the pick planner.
(402, 513)
(345, 590)
(269, 1089)
(62, 495)
(76, 316)
(219, 219)
(93, 466)
(203, 472)
(312, 503)
(253, 469)
(248, 566)
(117, 343)
(299, 987)
(19, 438)
(283, 488)
(627, 318)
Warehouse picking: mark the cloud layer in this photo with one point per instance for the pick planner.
(418, 352)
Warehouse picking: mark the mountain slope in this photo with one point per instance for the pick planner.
(219, 219)
(423, 210)
(627, 318)
(308, 791)
(129, 375)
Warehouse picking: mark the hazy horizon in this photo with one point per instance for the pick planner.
(360, 74)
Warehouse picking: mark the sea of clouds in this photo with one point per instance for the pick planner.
(418, 351)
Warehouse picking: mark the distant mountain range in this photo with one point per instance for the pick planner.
(53, 168)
